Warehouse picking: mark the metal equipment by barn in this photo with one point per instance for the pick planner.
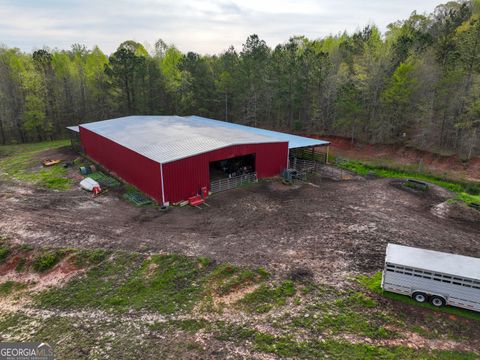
(171, 158)
(432, 276)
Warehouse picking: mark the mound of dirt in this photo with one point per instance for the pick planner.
(434, 193)
(457, 211)
(56, 276)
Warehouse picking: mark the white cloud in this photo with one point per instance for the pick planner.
(209, 26)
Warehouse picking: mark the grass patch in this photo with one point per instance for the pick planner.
(20, 267)
(19, 162)
(12, 320)
(163, 283)
(226, 278)
(86, 258)
(350, 312)
(8, 287)
(47, 260)
(135, 196)
(467, 192)
(25, 248)
(266, 297)
(4, 252)
(287, 346)
(373, 283)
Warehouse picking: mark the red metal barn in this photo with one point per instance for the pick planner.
(171, 158)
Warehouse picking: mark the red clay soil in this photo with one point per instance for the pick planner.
(397, 155)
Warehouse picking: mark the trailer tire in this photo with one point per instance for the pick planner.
(437, 301)
(420, 297)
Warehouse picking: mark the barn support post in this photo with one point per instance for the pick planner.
(163, 188)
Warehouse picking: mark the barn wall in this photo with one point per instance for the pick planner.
(184, 178)
(132, 167)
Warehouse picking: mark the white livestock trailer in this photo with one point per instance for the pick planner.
(438, 277)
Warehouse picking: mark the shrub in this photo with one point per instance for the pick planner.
(47, 261)
(4, 252)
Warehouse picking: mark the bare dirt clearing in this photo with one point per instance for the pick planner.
(335, 228)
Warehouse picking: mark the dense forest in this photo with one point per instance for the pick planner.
(418, 84)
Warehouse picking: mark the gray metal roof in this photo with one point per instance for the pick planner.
(294, 141)
(459, 265)
(168, 138)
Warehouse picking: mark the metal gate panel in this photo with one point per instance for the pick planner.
(232, 183)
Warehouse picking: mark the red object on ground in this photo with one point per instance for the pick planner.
(195, 200)
(96, 190)
(204, 192)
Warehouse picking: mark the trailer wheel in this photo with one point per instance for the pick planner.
(420, 297)
(437, 301)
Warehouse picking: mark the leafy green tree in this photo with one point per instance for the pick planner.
(397, 100)
(126, 68)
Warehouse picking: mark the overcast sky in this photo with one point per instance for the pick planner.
(207, 26)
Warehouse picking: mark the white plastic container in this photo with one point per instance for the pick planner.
(89, 184)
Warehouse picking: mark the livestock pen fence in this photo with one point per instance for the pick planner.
(232, 182)
(306, 161)
(305, 166)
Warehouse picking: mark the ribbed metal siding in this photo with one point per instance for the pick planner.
(127, 164)
(184, 178)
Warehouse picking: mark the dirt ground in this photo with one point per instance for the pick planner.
(335, 228)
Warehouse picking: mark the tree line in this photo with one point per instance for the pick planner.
(418, 84)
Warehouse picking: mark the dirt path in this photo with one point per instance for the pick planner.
(334, 228)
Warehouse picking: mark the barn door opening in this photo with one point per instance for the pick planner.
(231, 173)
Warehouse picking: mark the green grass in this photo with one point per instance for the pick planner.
(25, 248)
(4, 252)
(47, 260)
(163, 283)
(340, 312)
(266, 297)
(226, 278)
(287, 346)
(20, 267)
(99, 338)
(373, 283)
(173, 284)
(465, 191)
(8, 287)
(86, 258)
(20, 162)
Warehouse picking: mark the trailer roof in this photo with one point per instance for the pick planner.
(169, 138)
(436, 261)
